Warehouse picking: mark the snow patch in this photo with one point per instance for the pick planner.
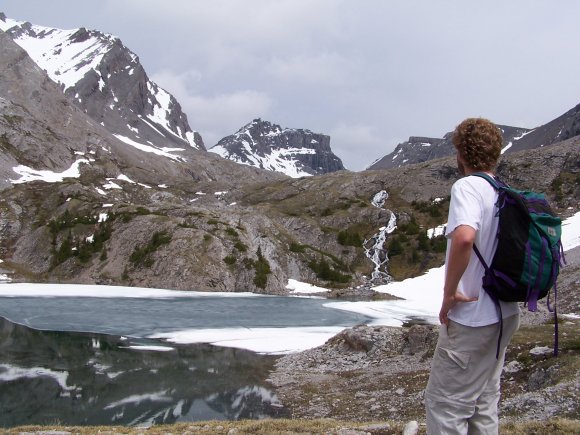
(152, 348)
(11, 373)
(437, 231)
(296, 287)
(147, 148)
(28, 174)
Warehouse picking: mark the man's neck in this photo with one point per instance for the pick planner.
(469, 171)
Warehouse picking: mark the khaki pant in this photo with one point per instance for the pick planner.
(463, 389)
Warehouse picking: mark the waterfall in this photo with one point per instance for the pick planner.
(374, 247)
(380, 198)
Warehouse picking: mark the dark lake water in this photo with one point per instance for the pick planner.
(72, 378)
(69, 360)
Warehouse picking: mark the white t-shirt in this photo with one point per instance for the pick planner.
(473, 203)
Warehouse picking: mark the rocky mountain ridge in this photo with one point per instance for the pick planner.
(106, 80)
(421, 149)
(294, 152)
(80, 205)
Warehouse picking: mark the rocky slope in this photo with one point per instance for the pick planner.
(294, 152)
(380, 373)
(421, 149)
(105, 79)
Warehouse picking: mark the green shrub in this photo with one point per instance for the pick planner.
(349, 237)
(410, 228)
(423, 240)
(395, 247)
(66, 220)
(326, 273)
(64, 252)
(262, 269)
(84, 252)
(85, 249)
(141, 256)
(230, 231)
(230, 259)
(297, 247)
(186, 225)
(240, 246)
(430, 208)
(103, 233)
(159, 238)
(434, 211)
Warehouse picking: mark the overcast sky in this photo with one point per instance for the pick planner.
(369, 73)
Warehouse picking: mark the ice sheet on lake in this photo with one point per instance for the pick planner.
(261, 340)
(103, 291)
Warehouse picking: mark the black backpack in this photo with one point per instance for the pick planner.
(529, 253)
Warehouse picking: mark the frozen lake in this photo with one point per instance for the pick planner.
(113, 355)
(264, 324)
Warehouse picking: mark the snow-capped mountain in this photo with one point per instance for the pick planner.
(294, 152)
(106, 80)
(420, 149)
(562, 128)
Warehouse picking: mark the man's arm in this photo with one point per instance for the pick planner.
(462, 240)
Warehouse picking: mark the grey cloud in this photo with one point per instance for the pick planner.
(370, 73)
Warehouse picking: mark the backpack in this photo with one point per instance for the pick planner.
(529, 252)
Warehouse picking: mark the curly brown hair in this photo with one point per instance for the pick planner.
(478, 141)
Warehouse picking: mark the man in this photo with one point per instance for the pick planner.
(463, 390)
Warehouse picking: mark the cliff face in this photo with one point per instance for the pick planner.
(294, 152)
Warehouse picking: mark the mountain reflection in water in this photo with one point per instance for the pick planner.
(92, 379)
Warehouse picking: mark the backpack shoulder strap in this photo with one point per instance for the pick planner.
(494, 181)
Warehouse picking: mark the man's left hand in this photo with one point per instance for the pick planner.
(450, 302)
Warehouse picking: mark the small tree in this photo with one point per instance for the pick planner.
(262, 269)
(424, 244)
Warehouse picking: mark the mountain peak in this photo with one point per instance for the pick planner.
(294, 152)
(420, 149)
